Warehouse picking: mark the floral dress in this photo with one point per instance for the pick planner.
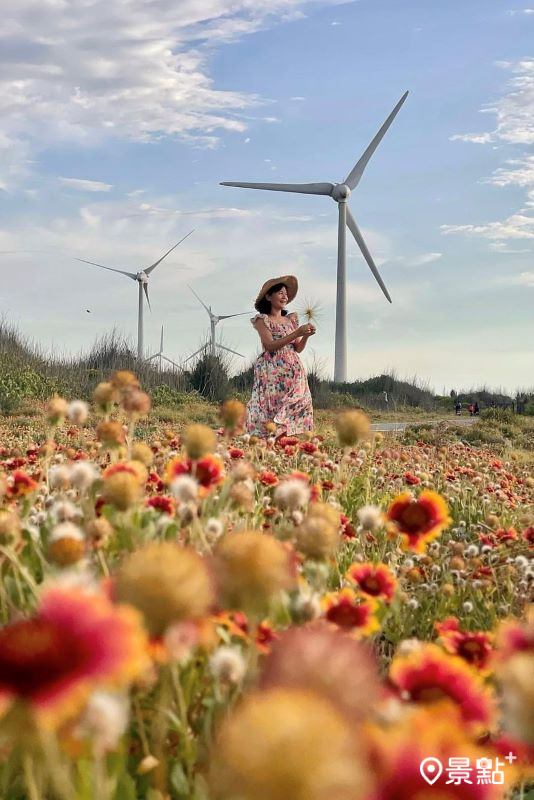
(280, 392)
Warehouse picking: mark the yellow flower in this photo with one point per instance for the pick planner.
(103, 395)
(56, 409)
(232, 415)
(10, 526)
(286, 744)
(122, 490)
(199, 440)
(318, 535)
(143, 453)
(352, 427)
(251, 568)
(167, 583)
(111, 434)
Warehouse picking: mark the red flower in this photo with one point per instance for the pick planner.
(236, 452)
(21, 484)
(411, 479)
(163, 503)
(75, 643)
(351, 613)
(208, 471)
(308, 447)
(376, 580)
(268, 478)
(418, 520)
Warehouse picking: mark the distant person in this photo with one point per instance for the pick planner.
(476, 411)
(458, 408)
(471, 409)
(280, 392)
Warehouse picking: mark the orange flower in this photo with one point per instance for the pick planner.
(418, 520)
(208, 471)
(376, 580)
(268, 478)
(351, 613)
(75, 643)
(427, 675)
(20, 484)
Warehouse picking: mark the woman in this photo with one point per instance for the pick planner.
(280, 393)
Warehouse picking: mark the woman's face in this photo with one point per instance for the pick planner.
(278, 299)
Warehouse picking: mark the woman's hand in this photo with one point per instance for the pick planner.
(306, 330)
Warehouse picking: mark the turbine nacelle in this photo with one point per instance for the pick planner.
(142, 277)
(340, 192)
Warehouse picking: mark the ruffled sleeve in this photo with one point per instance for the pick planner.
(294, 317)
(264, 317)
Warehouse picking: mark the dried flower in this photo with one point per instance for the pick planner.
(78, 412)
(291, 494)
(251, 568)
(285, 744)
(227, 665)
(352, 427)
(199, 440)
(167, 583)
(232, 415)
(122, 490)
(111, 434)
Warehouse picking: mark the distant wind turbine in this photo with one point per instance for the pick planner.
(160, 355)
(340, 192)
(142, 278)
(214, 320)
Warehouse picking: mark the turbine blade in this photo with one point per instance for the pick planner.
(228, 316)
(302, 188)
(148, 270)
(230, 351)
(353, 228)
(199, 300)
(151, 357)
(145, 287)
(111, 269)
(200, 349)
(353, 178)
(171, 361)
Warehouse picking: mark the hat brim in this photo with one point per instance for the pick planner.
(289, 281)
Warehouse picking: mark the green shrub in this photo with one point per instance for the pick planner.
(164, 395)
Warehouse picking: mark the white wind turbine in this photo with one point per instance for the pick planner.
(214, 320)
(142, 278)
(340, 192)
(160, 355)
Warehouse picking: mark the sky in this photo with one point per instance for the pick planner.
(121, 117)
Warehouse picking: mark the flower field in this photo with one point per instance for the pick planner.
(198, 614)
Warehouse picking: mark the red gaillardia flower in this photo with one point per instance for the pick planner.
(418, 520)
(351, 612)
(21, 484)
(162, 503)
(376, 580)
(75, 643)
(428, 675)
(475, 647)
(208, 471)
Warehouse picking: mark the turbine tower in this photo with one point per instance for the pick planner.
(214, 320)
(142, 278)
(160, 355)
(340, 192)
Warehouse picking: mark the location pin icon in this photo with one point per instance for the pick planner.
(431, 769)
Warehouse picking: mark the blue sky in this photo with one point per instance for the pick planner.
(119, 120)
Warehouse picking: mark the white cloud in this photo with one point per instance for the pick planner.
(93, 70)
(523, 279)
(514, 111)
(83, 185)
(516, 226)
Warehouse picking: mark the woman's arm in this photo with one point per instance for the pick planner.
(272, 345)
(301, 343)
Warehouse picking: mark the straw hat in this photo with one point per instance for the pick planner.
(289, 281)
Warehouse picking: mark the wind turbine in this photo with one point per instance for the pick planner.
(214, 320)
(160, 355)
(142, 278)
(339, 192)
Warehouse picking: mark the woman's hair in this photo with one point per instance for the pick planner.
(264, 306)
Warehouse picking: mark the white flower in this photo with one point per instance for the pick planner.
(292, 494)
(468, 606)
(83, 474)
(228, 665)
(184, 488)
(59, 476)
(214, 529)
(104, 720)
(64, 511)
(370, 517)
(66, 530)
(78, 411)
(308, 606)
